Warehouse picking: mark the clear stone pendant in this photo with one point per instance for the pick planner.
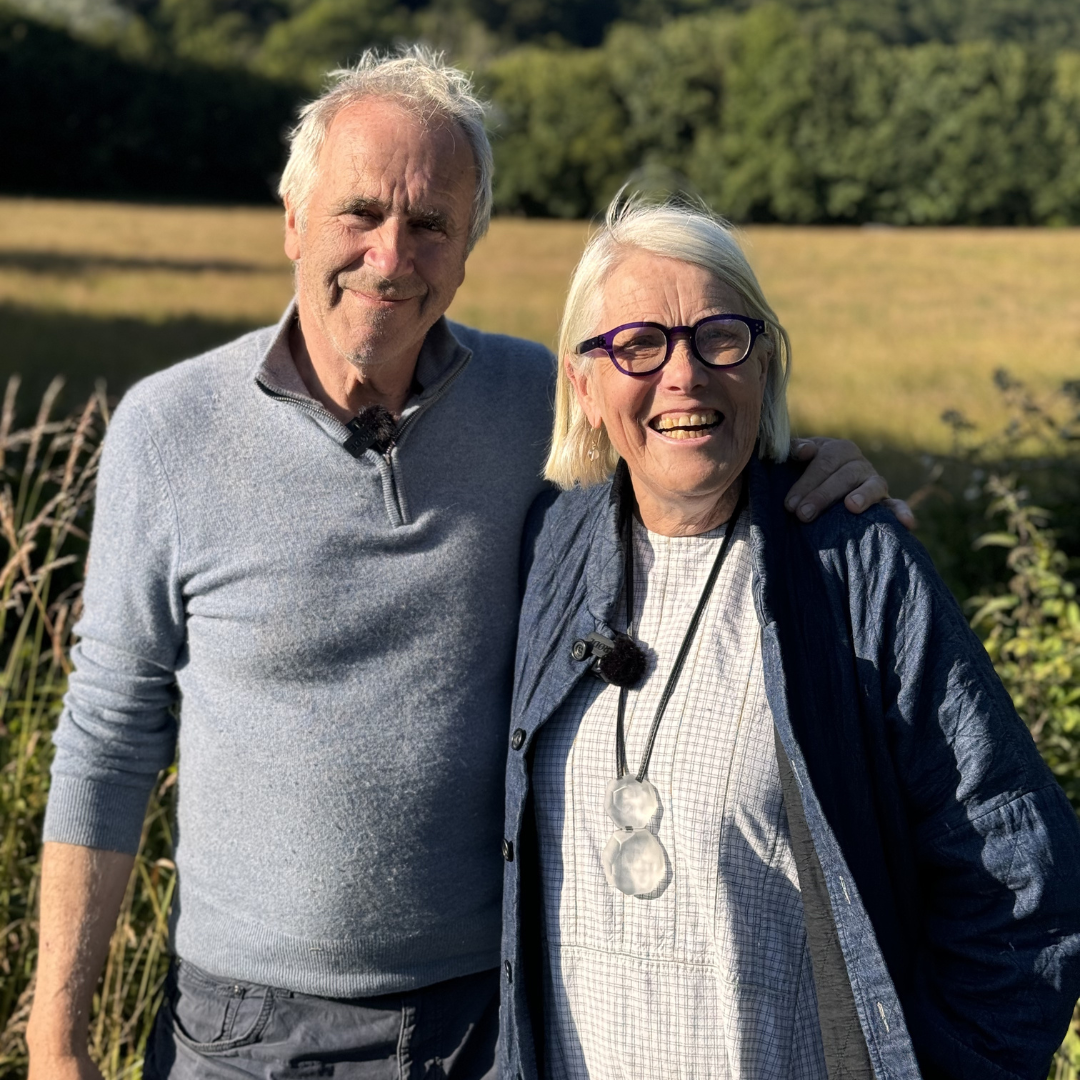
(633, 859)
(630, 803)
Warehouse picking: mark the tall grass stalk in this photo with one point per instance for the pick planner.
(47, 476)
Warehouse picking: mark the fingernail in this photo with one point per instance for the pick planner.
(789, 504)
(858, 500)
(806, 511)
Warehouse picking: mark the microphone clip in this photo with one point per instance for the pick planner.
(619, 660)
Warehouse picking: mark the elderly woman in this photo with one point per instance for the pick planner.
(771, 814)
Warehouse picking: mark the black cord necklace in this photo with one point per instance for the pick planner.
(633, 859)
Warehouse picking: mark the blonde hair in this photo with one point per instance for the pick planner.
(421, 84)
(673, 230)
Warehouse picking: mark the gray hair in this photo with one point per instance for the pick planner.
(673, 230)
(421, 83)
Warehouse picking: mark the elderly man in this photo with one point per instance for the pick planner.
(309, 537)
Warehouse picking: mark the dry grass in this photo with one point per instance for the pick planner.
(890, 327)
(154, 263)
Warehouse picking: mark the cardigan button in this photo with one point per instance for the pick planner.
(580, 650)
(517, 740)
(508, 851)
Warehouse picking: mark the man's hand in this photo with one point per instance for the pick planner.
(81, 893)
(838, 470)
(71, 1068)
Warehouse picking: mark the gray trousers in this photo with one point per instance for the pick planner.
(212, 1029)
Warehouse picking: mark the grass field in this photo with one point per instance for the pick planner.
(890, 327)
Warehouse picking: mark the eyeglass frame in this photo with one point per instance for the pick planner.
(671, 334)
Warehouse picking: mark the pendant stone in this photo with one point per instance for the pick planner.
(633, 859)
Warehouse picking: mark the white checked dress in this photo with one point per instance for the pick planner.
(710, 976)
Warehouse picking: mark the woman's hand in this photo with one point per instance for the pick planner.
(838, 470)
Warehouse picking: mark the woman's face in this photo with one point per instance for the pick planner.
(679, 474)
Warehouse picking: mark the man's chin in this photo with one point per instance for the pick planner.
(378, 347)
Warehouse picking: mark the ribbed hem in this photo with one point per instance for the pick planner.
(95, 814)
(379, 963)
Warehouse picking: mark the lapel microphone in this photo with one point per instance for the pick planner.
(619, 660)
(371, 427)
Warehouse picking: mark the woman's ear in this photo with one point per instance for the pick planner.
(583, 388)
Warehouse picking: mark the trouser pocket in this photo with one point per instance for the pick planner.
(211, 1015)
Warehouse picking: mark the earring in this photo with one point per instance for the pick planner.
(594, 450)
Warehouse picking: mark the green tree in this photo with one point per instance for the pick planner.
(324, 34)
(671, 83)
(820, 124)
(1058, 201)
(561, 134)
(219, 33)
(751, 164)
(963, 140)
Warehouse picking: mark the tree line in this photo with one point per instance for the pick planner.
(770, 118)
(895, 111)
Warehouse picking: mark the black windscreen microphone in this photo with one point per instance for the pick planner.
(371, 427)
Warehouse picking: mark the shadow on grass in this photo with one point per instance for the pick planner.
(39, 345)
(945, 489)
(74, 263)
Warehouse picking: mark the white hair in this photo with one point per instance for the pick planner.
(424, 86)
(673, 230)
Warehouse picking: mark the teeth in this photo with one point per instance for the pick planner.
(678, 423)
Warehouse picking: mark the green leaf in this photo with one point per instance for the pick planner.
(997, 539)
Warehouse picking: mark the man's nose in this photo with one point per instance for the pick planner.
(389, 252)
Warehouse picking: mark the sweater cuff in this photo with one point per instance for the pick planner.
(93, 814)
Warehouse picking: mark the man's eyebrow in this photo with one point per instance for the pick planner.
(422, 216)
(357, 203)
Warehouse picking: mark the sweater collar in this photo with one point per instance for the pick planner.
(441, 357)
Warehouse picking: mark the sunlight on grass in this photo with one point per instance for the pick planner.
(890, 326)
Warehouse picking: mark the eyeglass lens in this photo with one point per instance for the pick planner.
(641, 349)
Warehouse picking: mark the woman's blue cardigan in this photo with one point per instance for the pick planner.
(951, 856)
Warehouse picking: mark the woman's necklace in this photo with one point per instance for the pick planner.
(633, 858)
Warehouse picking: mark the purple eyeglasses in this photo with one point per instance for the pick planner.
(641, 348)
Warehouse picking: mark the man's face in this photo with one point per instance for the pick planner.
(383, 248)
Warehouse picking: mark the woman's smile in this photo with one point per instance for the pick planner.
(680, 426)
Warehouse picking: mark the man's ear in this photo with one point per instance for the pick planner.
(582, 385)
(292, 231)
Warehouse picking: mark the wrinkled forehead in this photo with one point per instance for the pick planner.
(382, 136)
(645, 286)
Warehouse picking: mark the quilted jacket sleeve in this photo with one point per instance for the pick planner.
(998, 845)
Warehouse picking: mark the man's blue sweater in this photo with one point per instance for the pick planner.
(340, 632)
